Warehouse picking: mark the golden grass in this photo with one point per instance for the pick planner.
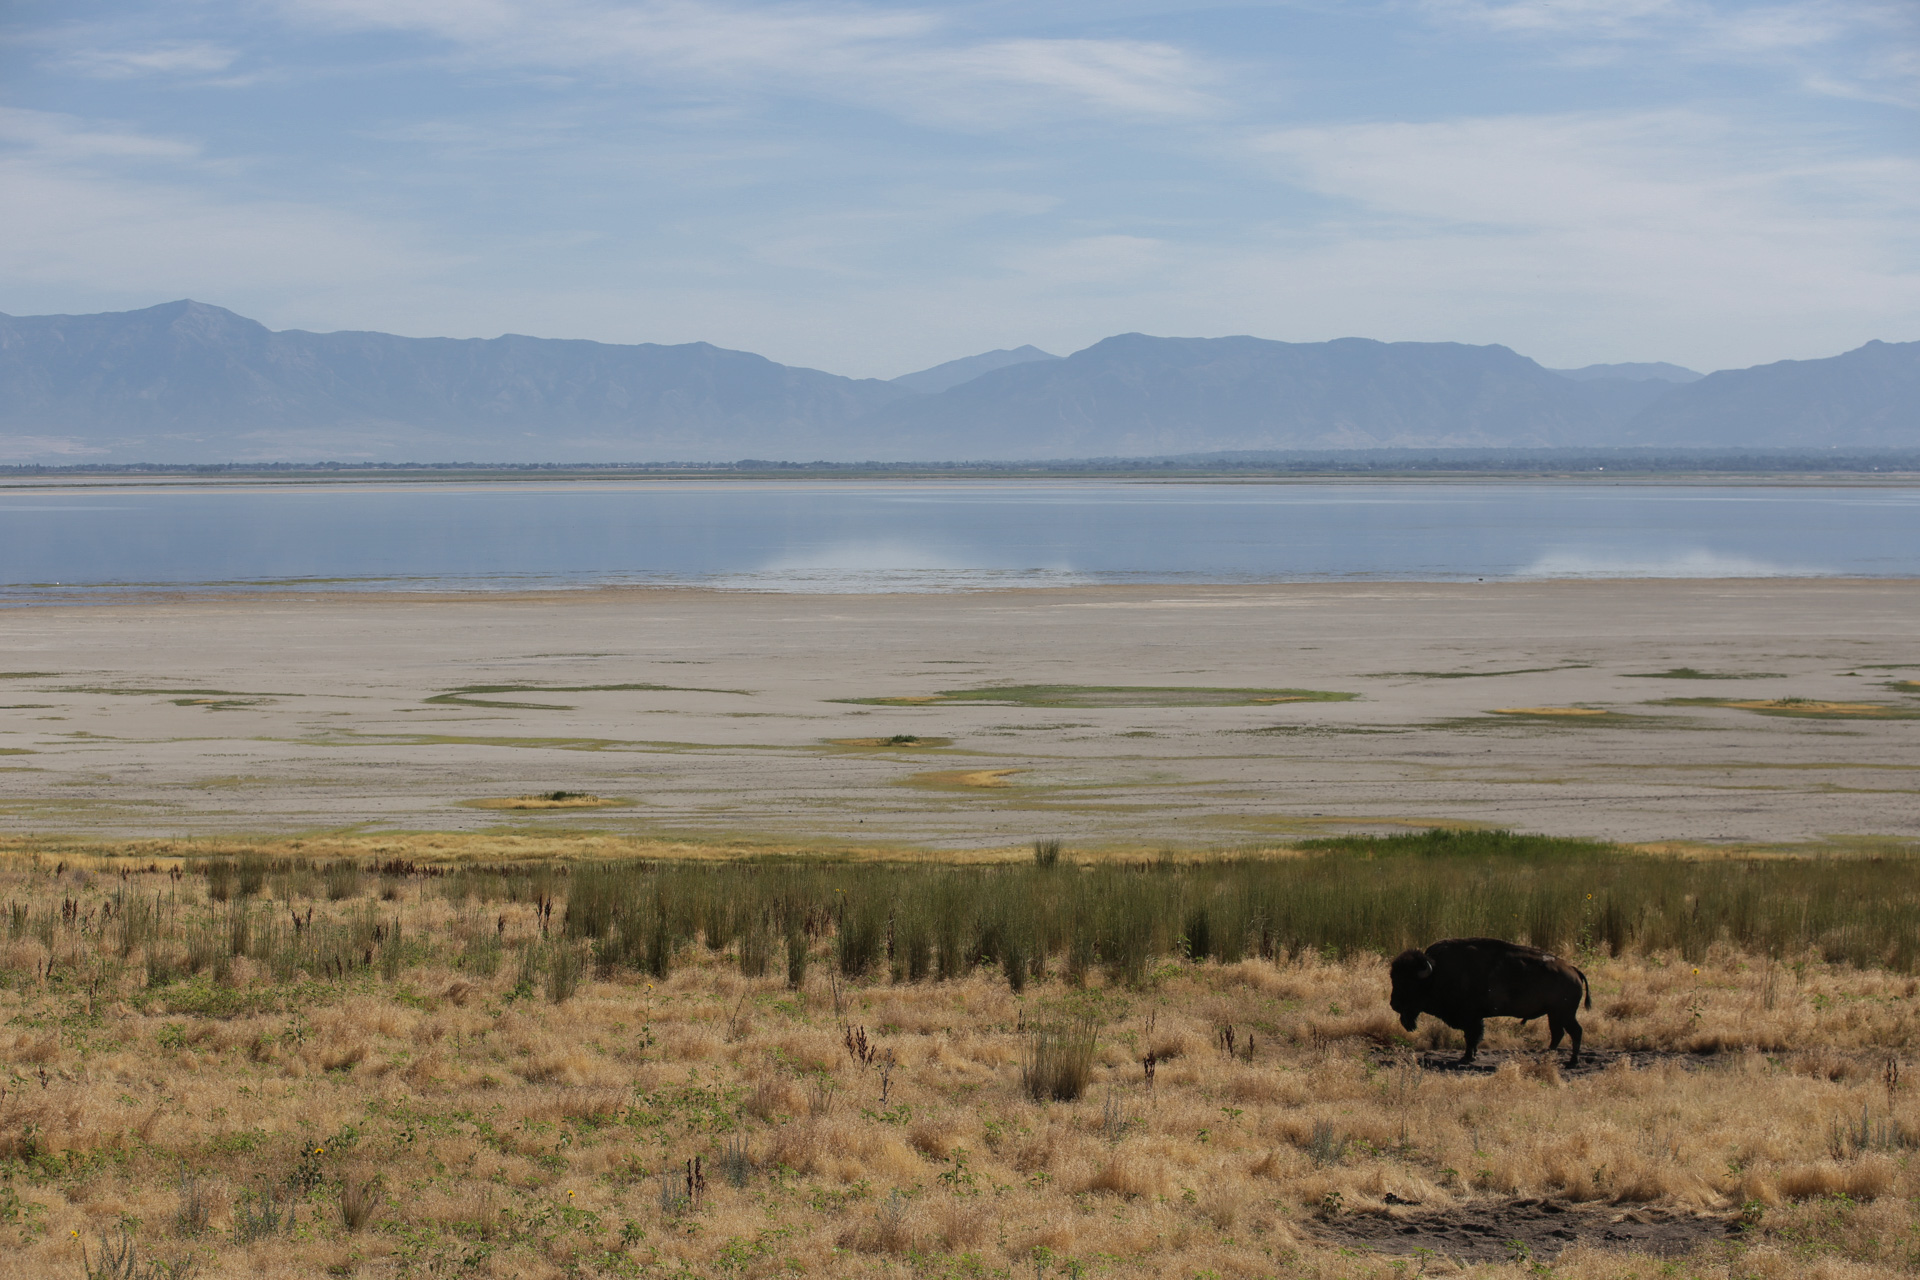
(507, 1136)
(1806, 707)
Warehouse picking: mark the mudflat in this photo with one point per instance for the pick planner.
(1753, 711)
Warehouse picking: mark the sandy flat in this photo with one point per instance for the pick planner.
(181, 715)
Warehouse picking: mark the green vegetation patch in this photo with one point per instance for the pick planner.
(169, 693)
(1475, 675)
(17, 751)
(1805, 708)
(1443, 842)
(476, 740)
(1107, 696)
(1694, 673)
(463, 696)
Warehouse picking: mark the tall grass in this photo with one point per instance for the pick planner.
(910, 924)
(1059, 1061)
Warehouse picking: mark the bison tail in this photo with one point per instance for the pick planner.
(1584, 987)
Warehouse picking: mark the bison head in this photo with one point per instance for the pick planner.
(1411, 971)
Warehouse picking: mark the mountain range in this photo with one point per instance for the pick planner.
(186, 382)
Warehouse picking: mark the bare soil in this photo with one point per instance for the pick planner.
(718, 713)
(1592, 1061)
(1522, 1230)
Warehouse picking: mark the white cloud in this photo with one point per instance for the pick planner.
(52, 134)
(908, 62)
(1863, 49)
(115, 212)
(173, 57)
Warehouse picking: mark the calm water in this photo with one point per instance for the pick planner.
(934, 536)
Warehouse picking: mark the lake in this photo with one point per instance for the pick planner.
(818, 536)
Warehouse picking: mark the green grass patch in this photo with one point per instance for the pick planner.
(27, 675)
(1694, 673)
(1475, 675)
(463, 696)
(17, 751)
(1090, 696)
(169, 693)
(1440, 842)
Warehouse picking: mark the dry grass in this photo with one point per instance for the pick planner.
(513, 1136)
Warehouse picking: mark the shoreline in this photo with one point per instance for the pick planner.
(1771, 711)
(223, 593)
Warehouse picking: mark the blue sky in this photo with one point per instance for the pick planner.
(870, 188)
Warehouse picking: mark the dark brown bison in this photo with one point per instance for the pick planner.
(1465, 981)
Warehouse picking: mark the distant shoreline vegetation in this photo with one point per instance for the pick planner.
(1529, 463)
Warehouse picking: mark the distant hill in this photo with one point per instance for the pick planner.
(1135, 394)
(954, 372)
(190, 383)
(1657, 371)
(1869, 397)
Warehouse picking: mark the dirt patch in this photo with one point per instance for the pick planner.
(1592, 1061)
(899, 742)
(552, 800)
(950, 779)
(1523, 1230)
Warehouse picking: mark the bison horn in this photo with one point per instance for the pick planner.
(1426, 967)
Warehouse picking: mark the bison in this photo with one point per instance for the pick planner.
(1465, 981)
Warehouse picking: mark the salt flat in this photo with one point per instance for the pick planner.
(1474, 703)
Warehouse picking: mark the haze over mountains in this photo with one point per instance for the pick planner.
(186, 382)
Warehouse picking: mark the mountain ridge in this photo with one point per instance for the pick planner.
(189, 382)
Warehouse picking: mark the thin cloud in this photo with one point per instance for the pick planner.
(908, 62)
(112, 211)
(1860, 49)
(1662, 222)
(54, 134)
(168, 58)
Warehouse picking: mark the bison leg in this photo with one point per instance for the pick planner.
(1573, 1030)
(1558, 1026)
(1474, 1029)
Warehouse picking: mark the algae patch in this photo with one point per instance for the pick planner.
(1691, 673)
(1090, 696)
(1550, 711)
(464, 695)
(1479, 675)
